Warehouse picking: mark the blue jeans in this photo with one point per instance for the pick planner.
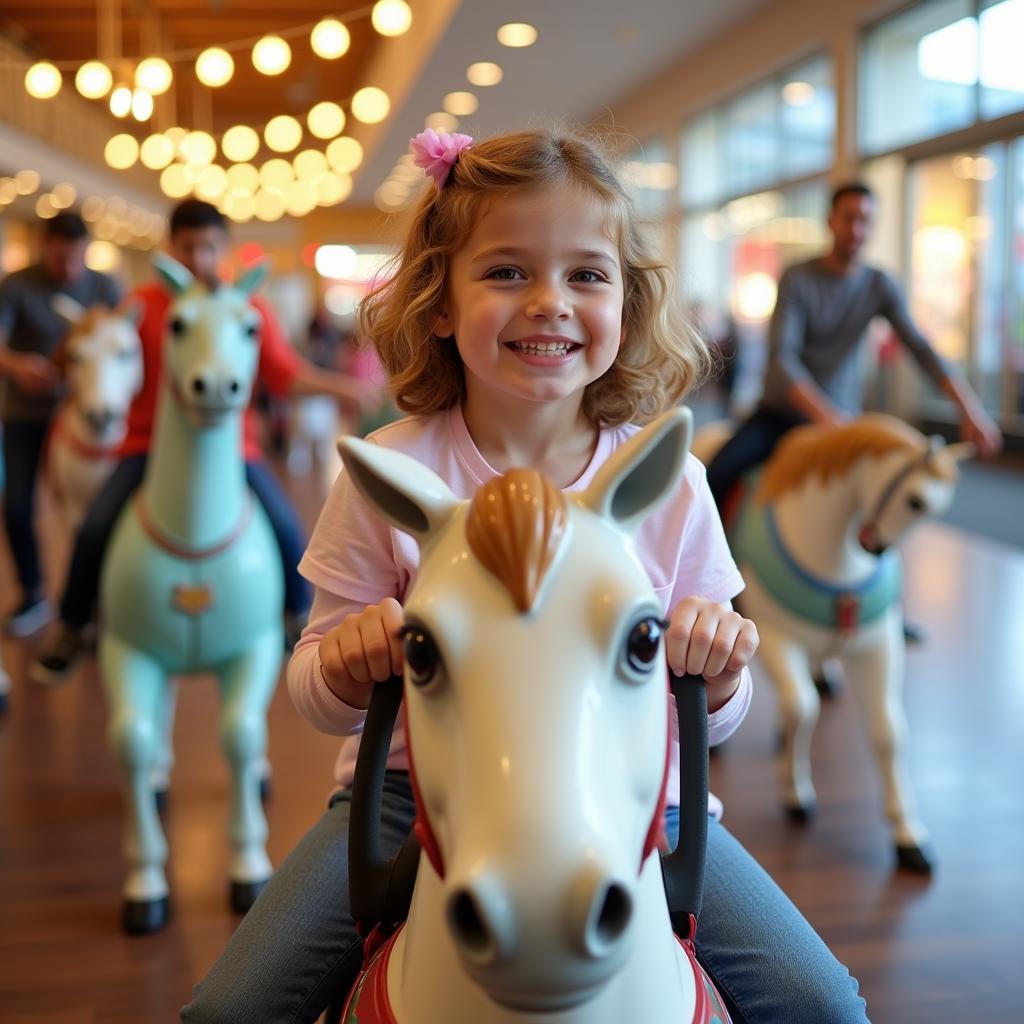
(297, 948)
(82, 584)
(23, 442)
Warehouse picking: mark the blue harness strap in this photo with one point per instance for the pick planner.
(756, 542)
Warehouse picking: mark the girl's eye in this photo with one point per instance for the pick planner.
(422, 657)
(588, 277)
(504, 274)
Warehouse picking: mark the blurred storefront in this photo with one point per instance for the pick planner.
(924, 102)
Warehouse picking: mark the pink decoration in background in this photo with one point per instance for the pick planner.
(436, 152)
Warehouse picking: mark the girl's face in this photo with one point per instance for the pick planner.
(535, 297)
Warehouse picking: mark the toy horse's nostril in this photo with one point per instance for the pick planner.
(468, 924)
(199, 385)
(614, 914)
(234, 386)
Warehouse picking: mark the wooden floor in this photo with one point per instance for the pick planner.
(944, 951)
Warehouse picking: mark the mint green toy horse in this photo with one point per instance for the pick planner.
(192, 582)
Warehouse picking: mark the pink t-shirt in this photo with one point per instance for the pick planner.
(354, 559)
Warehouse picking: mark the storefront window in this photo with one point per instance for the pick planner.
(700, 171)
(650, 177)
(751, 140)
(1001, 33)
(807, 112)
(919, 74)
(1015, 313)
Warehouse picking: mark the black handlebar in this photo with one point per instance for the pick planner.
(380, 889)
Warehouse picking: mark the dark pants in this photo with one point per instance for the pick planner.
(81, 588)
(752, 443)
(23, 451)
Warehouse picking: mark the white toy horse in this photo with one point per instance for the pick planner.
(537, 717)
(814, 541)
(192, 583)
(102, 359)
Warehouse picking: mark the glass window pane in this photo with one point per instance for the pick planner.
(751, 140)
(649, 177)
(1002, 69)
(987, 232)
(1015, 317)
(918, 74)
(700, 176)
(807, 112)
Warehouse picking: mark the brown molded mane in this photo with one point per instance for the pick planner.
(832, 451)
(515, 526)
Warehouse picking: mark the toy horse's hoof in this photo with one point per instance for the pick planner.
(800, 814)
(243, 895)
(828, 681)
(143, 917)
(161, 797)
(915, 858)
(265, 789)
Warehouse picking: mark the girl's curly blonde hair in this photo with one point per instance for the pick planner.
(661, 357)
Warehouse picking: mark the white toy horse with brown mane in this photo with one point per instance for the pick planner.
(536, 706)
(102, 360)
(814, 541)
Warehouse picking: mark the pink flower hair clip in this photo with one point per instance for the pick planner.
(436, 152)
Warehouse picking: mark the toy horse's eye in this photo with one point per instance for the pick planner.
(252, 330)
(915, 504)
(422, 657)
(177, 326)
(643, 646)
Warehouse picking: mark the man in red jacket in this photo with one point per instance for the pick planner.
(199, 241)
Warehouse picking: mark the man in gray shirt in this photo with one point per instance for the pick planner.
(816, 357)
(30, 330)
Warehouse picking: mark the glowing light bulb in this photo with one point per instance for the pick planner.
(142, 105)
(240, 143)
(344, 154)
(214, 67)
(309, 164)
(271, 55)
(371, 105)
(276, 173)
(330, 39)
(391, 17)
(121, 151)
(461, 104)
(176, 181)
(326, 120)
(197, 149)
(484, 73)
(283, 133)
(156, 152)
(43, 80)
(517, 34)
(154, 75)
(121, 101)
(93, 80)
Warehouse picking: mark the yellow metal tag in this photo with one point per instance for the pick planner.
(192, 599)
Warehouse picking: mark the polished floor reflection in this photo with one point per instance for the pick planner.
(942, 951)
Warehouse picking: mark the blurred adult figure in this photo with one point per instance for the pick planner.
(30, 331)
(816, 348)
(199, 241)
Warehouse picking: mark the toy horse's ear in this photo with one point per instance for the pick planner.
(175, 276)
(406, 493)
(67, 308)
(253, 278)
(643, 472)
(133, 310)
(961, 450)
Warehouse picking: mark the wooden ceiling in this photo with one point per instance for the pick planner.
(69, 30)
